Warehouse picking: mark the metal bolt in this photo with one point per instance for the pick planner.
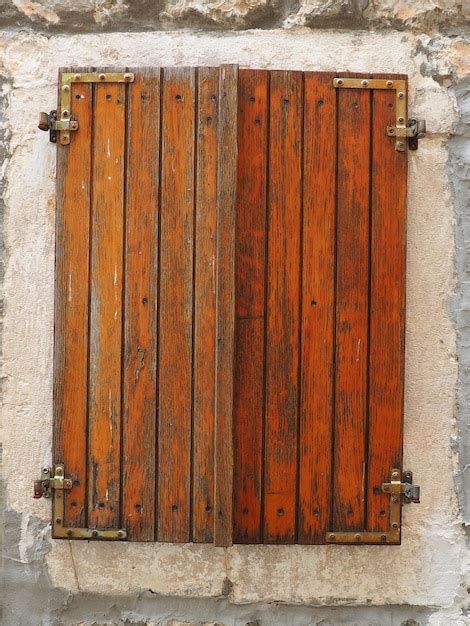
(389, 83)
(69, 532)
(66, 88)
(94, 533)
(127, 77)
(400, 145)
(65, 113)
(401, 95)
(383, 537)
(395, 475)
(357, 537)
(58, 520)
(365, 83)
(45, 470)
(120, 533)
(77, 77)
(332, 536)
(102, 76)
(395, 525)
(400, 120)
(340, 81)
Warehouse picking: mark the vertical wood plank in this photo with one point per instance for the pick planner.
(71, 304)
(106, 306)
(176, 304)
(352, 308)
(226, 203)
(318, 307)
(250, 253)
(140, 311)
(283, 299)
(387, 316)
(205, 305)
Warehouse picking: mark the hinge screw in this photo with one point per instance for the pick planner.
(340, 81)
(102, 76)
(127, 77)
(383, 537)
(77, 77)
(332, 537)
(389, 83)
(69, 532)
(400, 120)
(365, 83)
(395, 475)
(358, 537)
(66, 88)
(401, 95)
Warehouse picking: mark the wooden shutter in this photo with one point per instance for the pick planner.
(230, 299)
(145, 293)
(320, 294)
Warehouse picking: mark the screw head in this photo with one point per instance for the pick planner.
(69, 532)
(365, 83)
(401, 95)
(357, 537)
(400, 145)
(127, 77)
(120, 533)
(395, 525)
(400, 120)
(102, 76)
(77, 77)
(383, 537)
(389, 83)
(94, 533)
(332, 537)
(340, 81)
(66, 88)
(395, 475)
(58, 520)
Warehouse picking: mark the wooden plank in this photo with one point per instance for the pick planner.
(250, 256)
(71, 304)
(106, 306)
(318, 307)
(387, 316)
(140, 280)
(176, 304)
(226, 203)
(352, 308)
(283, 299)
(205, 305)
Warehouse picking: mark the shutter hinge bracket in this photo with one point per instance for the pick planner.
(53, 484)
(411, 130)
(402, 491)
(62, 120)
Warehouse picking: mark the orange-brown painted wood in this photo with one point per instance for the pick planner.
(205, 304)
(352, 308)
(104, 446)
(318, 307)
(225, 314)
(71, 304)
(283, 307)
(176, 305)
(250, 270)
(387, 308)
(140, 305)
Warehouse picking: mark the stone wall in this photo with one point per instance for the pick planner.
(424, 581)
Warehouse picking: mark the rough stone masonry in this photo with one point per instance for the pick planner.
(425, 580)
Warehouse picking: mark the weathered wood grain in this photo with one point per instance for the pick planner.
(176, 304)
(205, 304)
(318, 307)
(104, 448)
(71, 303)
(352, 308)
(226, 203)
(283, 304)
(387, 308)
(140, 305)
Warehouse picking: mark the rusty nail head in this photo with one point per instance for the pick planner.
(383, 537)
(69, 532)
(58, 520)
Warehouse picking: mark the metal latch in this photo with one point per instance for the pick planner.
(416, 129)
(403, 489)
(53, 484)
(49, 122)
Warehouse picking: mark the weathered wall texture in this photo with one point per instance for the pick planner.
(421, 582)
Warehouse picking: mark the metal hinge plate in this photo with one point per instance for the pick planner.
(61, 122)
(54, 484)
(402, 491)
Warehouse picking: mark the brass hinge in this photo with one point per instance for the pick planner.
(62, 121)
(54, 484)
(402, 491)
(402, 129)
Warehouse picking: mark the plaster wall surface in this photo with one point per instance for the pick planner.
(60, 582)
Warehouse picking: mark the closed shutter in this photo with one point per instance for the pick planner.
(230, 289)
